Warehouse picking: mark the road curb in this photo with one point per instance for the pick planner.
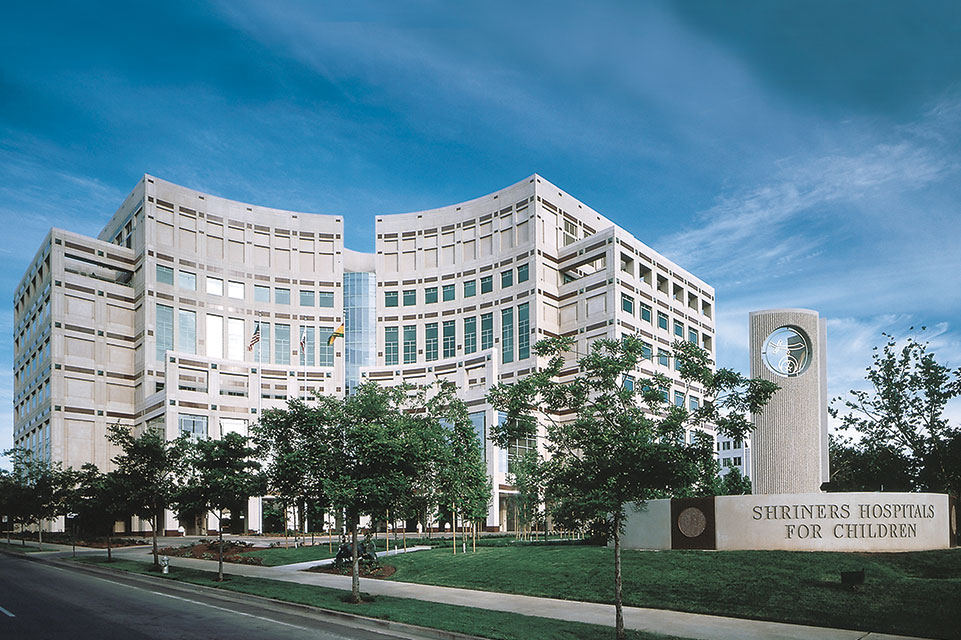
(329, 615)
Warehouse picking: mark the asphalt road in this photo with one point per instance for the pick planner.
(39, 601)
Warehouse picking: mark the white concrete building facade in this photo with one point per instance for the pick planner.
(151, 323)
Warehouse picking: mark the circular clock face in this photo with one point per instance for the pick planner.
(787, 352)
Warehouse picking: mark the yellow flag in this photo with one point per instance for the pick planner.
(338, 333)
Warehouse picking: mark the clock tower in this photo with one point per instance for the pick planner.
(790, 439)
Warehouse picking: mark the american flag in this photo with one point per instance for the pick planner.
(303, 341)
(254, 339)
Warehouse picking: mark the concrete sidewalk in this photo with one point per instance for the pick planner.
(686, 625)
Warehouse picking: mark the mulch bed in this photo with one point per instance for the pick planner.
(233, 552)
(383, 571)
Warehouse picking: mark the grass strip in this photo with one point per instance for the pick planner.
(19, 548)
(276, 556)
(913, 593)
(478, 622)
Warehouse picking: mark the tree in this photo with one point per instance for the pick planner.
(43, 488)
(903, 413)
(99, 500)
(220, 476)
(735, 484)
(462, 481)
(148, 467)
(611, 442)
(11, 500)
(866, 465)
(526, 475)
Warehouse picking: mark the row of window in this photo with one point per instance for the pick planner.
(448, 292)
(440, 339)
(731, 462)
(215, 286)
(693, 402)
(225, 338)
(663, 322)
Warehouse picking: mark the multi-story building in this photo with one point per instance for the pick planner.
(734, 454)
(193, 313)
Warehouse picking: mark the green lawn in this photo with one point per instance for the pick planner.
(907, 593)
(479, 622)
(276, 556)
(18, 547)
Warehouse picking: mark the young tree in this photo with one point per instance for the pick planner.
(99, 500)
(735, 484)
(611, 443)
(220, 475)
(526, 475)
(463, 484)
(904, 412)
(11, 501)
(148, 466)
(43, 488)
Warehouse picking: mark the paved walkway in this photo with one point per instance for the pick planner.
(685, 625)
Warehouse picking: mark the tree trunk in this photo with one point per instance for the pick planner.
(355, 570)
(387, 531)
(40, 534)
(453, 526)
(109, 550)
(156, 550)
(618, 600)
(220, 551)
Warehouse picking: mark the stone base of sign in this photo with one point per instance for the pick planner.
(797, 522)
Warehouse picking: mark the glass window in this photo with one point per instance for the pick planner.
(391, 350)
(165, 275)
(507, 335)
(523, 273)
(507, 278)
(215, 286)
(448, 291)
(261, 293)
(430, 341)
(187, 281)
(450, 339)
(187, 334)
(215, 336)
(662, 357)
(627, 303)
(325, 348)
(645, 312)
(470, 288)
(281, 296)
(410, 344)
(165, 330)
(480, 427)
(235, 290)
(326, 299)
(647, 351)
(194, 426)
(235, 338)
(695, 404)
(487, 331)
(282, 344)
(307, 346)
(664, 396)
(390, 298)
(678, 329)
(487, 284)
(306, 298)
(629, 382)
(662, 320)
(470, 335)
(262, 346)
(691, 335)
(430, 295)
(523, 331)
(678, 399)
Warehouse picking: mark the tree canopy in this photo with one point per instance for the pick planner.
(613, 439)
(900, 420)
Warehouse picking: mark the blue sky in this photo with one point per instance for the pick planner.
(802, 154)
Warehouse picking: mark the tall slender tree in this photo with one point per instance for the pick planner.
(148, 466)
(219, 476)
